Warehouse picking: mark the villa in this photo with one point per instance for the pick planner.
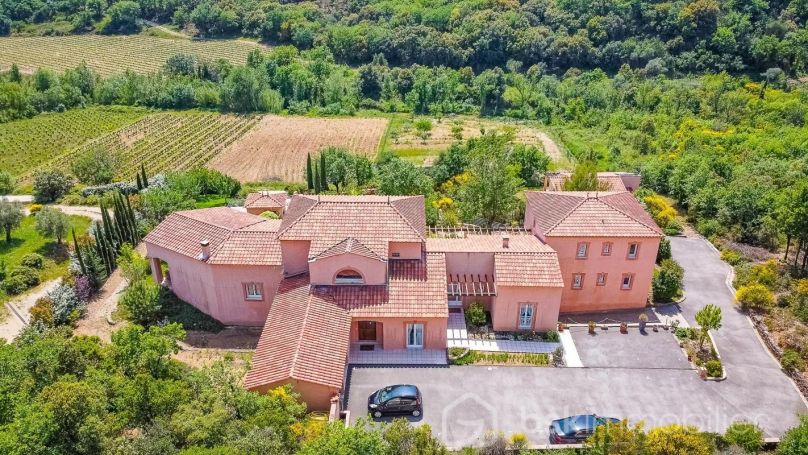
(341, 275)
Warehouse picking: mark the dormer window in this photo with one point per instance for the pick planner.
(348, 276)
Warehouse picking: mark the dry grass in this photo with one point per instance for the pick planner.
(112, 54)
(276, 148)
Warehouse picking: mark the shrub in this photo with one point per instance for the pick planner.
(795, 440)
(518, 442)
(29, 276)
(141, 300)
(475, 315)
(33, 209)
(125, 188)
(791, 361)
(134, 267)
(42, 311)
(745, 435)
(673, 228)
(664, 251)
(552, 336)
(84, 288)
(67, 306)
(50, 185)
(14, 285)
(51, 222)
(7, 183)
(493, 444)
(96, 167)
(732, 257)
(667, 281)
(676, 439)
(714, 368)
(755, 296)
(709, 228)
(33, 260)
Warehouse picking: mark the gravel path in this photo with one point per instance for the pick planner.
(13, 324)
(550, 147)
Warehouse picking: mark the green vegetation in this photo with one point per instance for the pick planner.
(29, 143)
(501, 358)
(666, 284)
(27, 240)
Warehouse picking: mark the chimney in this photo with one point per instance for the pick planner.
(205, 244)
(505, 240)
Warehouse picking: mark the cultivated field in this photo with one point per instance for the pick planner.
(112, 54)
(406, 141)
(276, 149)
(166, 141)
(25, 144)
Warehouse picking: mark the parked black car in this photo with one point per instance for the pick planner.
(576, 429)
(395, 399)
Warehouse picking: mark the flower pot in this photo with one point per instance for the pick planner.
(623, 327)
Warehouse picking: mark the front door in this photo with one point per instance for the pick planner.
(367, 330)
(526, 316)
(415, 336)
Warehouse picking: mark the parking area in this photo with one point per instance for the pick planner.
(461, 403)
(612, 349)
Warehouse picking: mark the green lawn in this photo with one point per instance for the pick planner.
(208, 201)
(25, 239)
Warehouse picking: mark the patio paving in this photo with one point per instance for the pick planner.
(397, 357)
(458, 337)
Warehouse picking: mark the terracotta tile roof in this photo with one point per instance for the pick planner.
(305, 338)
(527, 269)
(235, 237)
(487, 243)
(266, 200)
(555, 181)
(589, 214)
(352, 246)
(373, 220)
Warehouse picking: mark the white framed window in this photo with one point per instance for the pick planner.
(525, 316)
(415, 336)
(606, 250)
(253, 291)
(627, 281)
(633, 249)
(577, 280)
(582, 250)
(348, 276)
(601, 279)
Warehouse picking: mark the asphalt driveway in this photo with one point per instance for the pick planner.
(462, 403)
(612, 349)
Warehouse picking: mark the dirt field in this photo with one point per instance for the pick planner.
(276, 148)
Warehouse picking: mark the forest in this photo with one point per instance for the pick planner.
(681, 37)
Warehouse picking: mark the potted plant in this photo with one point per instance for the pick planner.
(591, 327)
(623, 327)
(643, 321)
(560, 326)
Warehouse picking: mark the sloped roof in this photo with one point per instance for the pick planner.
(373, 220)
(307, 333)
(527, 269)
(305, 338)
(487, 243)
(266, 200)
(612, 180)
(235, 237)
(349, 245)
(589, 214)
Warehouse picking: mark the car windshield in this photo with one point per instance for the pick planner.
(395, 392)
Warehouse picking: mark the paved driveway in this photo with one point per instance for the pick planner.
(461, 403)
(612, 349)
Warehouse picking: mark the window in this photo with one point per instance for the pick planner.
(253, 291)
(601, 279)
(396, 255)
(607, 249)
(348, 276)
(415, 335)
(577, 280)
(628, 280)
(525, 316)
(633, 249)
(582, 249)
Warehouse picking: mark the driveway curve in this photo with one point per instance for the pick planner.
(754, 377)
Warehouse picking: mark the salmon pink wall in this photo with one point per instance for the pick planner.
(610, 296)
(295, 256)
(322, 271)
(317, 397)
(260, 210)
(631, 181)
(470, 264)
(218, 290)
(406, 250)
(505, 307)
(394, 332)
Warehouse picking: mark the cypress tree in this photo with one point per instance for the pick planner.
(317, 180)
(132, 221)
(78, 254)
(323, 181)
(143, 176)
(309, 175)
(139, 182)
